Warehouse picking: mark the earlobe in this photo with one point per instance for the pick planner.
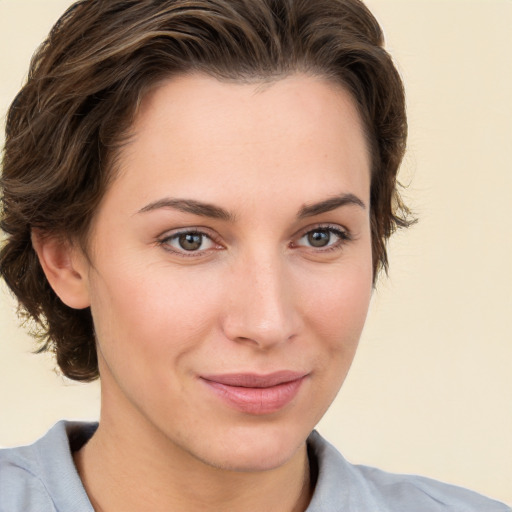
(65, 268)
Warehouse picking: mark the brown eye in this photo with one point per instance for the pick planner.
(319, 237)
(190, 241)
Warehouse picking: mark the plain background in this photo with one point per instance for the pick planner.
(430, 391)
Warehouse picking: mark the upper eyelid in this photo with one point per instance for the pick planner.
(203, 230)
(171, 233)
(168, 236)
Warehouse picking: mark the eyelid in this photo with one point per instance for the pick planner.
(323, 225)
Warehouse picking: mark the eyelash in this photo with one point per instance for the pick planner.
(343, 235)
(165, 242)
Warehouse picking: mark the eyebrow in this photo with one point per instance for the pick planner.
(329, 205)
(190, 206)
(216, 212)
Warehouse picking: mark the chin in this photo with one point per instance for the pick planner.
(253, 450)
(253, 462)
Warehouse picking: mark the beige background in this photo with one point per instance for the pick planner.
(430, 391)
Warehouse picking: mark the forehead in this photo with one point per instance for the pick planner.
(201, 103)
(196, 133)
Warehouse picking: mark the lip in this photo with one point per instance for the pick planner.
(256, 394)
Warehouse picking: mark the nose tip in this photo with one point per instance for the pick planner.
(261, 309)
(264, 334)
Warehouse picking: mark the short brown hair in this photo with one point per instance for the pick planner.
(87, 79)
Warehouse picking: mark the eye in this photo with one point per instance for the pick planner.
(188, 242)
(318, 238)
(323, 238)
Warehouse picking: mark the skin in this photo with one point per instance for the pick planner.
(256, 297)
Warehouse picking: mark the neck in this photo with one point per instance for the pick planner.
(139, 469)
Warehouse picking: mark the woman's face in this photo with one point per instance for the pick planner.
(231, 266)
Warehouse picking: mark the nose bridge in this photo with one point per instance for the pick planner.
(261, 307)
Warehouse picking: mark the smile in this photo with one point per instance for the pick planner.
(256, 394)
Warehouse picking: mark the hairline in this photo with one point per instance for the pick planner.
(113, 162)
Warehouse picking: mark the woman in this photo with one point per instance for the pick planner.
(197, 197)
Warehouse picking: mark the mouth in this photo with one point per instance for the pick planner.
(256, 394)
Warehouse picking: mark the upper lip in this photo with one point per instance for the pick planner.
(254, 380)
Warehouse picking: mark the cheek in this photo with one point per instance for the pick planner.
(338, 317)
(151, 315)
(336, 304)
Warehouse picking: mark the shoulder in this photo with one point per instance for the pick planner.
(408, 492)
(42, 477)
(343, 486)
(20, 486)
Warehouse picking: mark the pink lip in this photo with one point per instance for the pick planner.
(256, 394)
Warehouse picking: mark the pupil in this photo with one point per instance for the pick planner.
(319, 238)
(190, 241)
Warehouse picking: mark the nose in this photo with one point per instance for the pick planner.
(261, 309)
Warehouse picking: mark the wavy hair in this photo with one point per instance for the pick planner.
(87, 79)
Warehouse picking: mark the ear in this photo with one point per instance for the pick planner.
(65, 267)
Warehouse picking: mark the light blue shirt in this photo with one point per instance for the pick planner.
(42, 478)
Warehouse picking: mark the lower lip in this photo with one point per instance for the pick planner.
(257, 401)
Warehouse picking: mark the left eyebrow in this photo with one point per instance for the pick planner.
(310, 210)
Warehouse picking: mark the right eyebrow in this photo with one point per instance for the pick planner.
(190, 206)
